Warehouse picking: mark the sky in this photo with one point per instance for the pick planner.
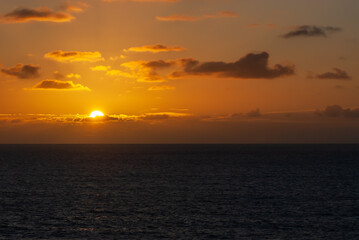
(179, 71)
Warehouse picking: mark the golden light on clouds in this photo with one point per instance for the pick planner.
(74, 56)
(53, 84)
(156, 48)
(144, 60)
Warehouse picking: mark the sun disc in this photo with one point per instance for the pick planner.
(95, 114)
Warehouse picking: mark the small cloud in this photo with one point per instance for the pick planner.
(27, 71)
(188, 18)
(101, 68)
(335, 74)
(178, 18)
(155, 48)
(57, 75)
(228, 14)
(41, 14)
(161, 88)
(74, 7)
(117, 58)
(73, 75)
(74, 56)
(311, 31)
(53, 84)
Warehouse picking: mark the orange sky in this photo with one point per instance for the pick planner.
(179, 71)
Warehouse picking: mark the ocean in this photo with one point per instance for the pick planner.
(179, 192)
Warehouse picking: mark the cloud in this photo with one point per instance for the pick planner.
(117, 58)
(41, 14)
(336, 74)
(161, 88)
(53, 84)
(254, 114)
(74, 56)
(74, 7)
(188, 18)
(253, 65)
(311, 31)
(57, 75)
(85, 118)
(158, 64)
(73, 75)
(146, 71)
(101, 68)
(335, 111)
(22, 71)
(156, 48)
(119, 73)
(163, 116)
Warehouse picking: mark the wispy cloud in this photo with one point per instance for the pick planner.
(311, 31)
(74, 6)
(335, 74)
(189, 18)
(161, 88)
(155, 48)
(74, 56)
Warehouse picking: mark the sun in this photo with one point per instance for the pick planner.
(95, 114)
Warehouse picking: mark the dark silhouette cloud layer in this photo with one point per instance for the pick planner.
(338, 111)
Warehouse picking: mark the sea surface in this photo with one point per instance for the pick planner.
(179, 192)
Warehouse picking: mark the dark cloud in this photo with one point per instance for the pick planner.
(338, 111)
(336, 74)
(52, 84)
(74, 56)
(22, 15)
(158, 64)
(311, 31)
(22, 71)
(253, 65)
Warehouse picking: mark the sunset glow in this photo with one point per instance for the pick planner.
(240, 71)
(95, 114)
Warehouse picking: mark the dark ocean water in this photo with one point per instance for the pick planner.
(179, 191)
